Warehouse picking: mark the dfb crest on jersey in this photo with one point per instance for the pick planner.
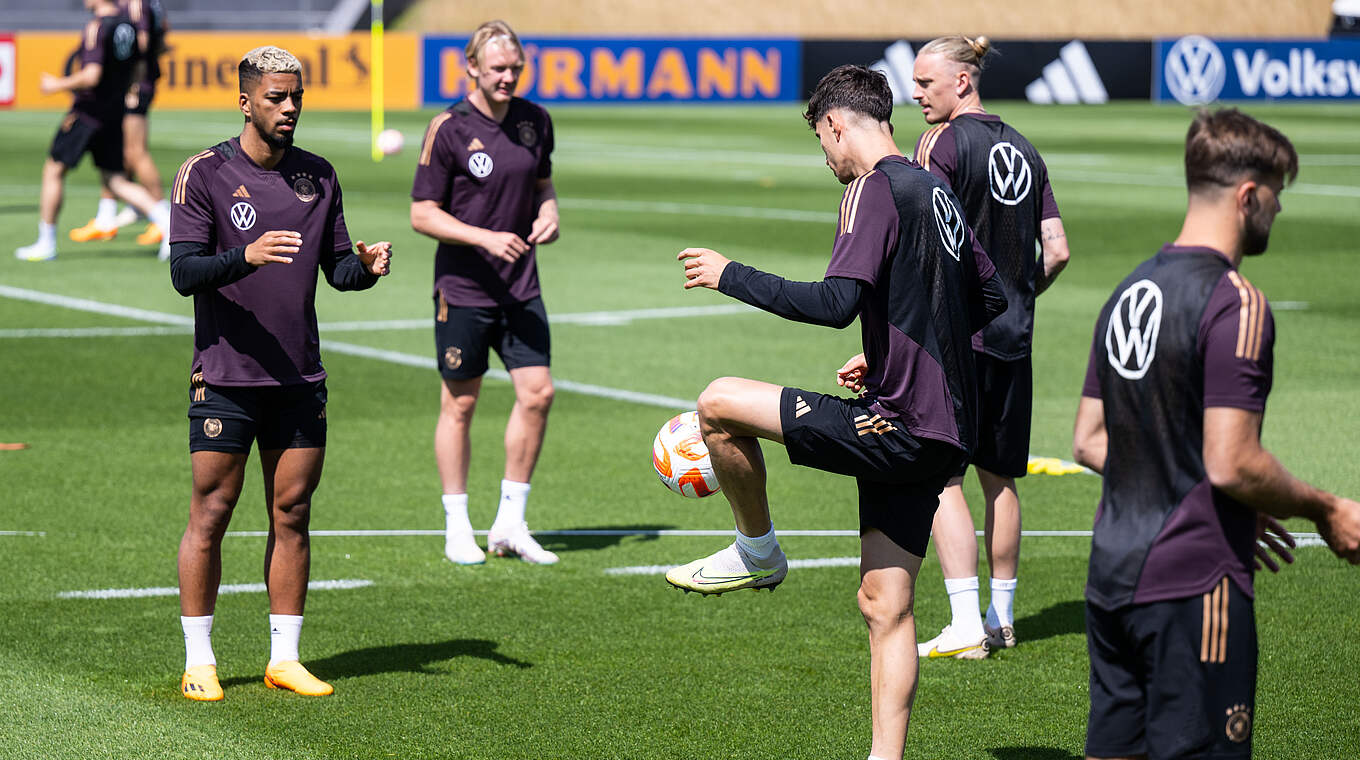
(949, 220)
(124, 41)
(1195, 70)
(1131, 335)
(528, 136)
(243, 216)
(480, 165)
(1008, 174)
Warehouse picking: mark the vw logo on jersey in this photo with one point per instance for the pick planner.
(1131, 336)
(243, 216)
(124, 38)
(949, 220)
(1008, 173)
(1194, 70)
(480, 165)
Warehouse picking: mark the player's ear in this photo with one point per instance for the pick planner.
(245, 105)
(1245, 196)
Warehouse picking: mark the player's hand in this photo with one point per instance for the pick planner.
(703, 267)
(544, 230)
(274, 247)
(851, 374)
(48, 84)
(1340, 528)
(1271, 536)
(506, 246)
(376, 258)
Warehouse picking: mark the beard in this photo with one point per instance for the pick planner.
(1255, 236)
(273, 140)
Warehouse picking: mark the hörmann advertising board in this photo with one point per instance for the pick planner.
(1195, 70)
(578, 70)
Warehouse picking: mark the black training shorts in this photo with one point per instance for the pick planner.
(230, 418)
(79, 133)
(465, 335)
(1006, 393)
(1173, 679)
(139, 98)
(899, 475)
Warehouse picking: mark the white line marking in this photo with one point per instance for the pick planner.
(97, 307)
(1289, 305)
(28, 533)
(611, 318)
(586, 532)
(93, 332)
(793, 564)
(227, 588)
(700, 209)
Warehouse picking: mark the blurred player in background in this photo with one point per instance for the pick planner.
(254, 220)
(108, 56)
(1003, 185)
(150, 20)
(1180, 366)
(906, 264)
(483, 189)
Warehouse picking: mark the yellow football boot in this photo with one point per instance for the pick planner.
(200, 683)
(92, 231)
(728, 570)
(292, 676)
(150, 236)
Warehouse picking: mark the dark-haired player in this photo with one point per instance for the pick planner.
(254, 220)
(907, 265)
(1171, 410)
(483, 189)
(108, 54)
(1003, 185)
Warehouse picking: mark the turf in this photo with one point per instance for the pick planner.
(507, 660)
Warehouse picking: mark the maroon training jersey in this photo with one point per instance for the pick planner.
(148, 16)
(261, 329)
(485, 174)
(111, 42)
(901, 232)
(1184, 332)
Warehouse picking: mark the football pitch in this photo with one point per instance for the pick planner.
(597, 657)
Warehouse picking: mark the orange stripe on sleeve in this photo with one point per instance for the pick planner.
(182, 179)
(854, 204)
(1241, 313)
(928, 144)
(1260, 325)
(430, 132)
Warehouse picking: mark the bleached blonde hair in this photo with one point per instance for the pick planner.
(266, 59)
(485, 34)
(969, 51)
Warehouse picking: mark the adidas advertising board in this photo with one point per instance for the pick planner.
(1040, 71)
(1195, 70)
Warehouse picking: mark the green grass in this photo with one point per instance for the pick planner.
(507, 660)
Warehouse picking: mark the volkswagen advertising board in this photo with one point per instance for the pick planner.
(1195, 70)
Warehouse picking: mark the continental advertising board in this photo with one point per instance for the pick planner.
(579, 70)
(199, 69)
(1195, 70)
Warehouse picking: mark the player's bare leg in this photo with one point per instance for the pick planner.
(524, 433)
(136, 196)
(49, 206)
(956, 546)
(452, 453)
(887, 589)
(734, 413)
(290, 478)
(217, 478)
(137, 158)
(1002, 531)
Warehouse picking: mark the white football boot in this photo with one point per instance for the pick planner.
(516, 541)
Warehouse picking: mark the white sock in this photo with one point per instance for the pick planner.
(197, 640)
(47, 234)
(1001, 611)
(284, 632)
(108, 209)
(510, 513)
(760, 548)
(963, 603)
(455, 513)
(160, 214)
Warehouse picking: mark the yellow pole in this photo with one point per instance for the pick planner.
(376, 73)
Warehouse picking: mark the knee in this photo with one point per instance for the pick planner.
(884, 609)
(458, 409)
(292, 511)
(538, 399)
(210, 513)
(716, 404)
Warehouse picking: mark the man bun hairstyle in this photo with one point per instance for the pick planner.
(266, 59)
(487, 33)
(1225, 147)
(853, 88)
(969, 51)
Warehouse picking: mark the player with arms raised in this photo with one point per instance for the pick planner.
(1180, 366)
(1003, 185)
(254, 219)
(905, 263)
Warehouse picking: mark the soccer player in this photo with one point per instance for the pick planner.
(1003, 185)
(1180, 366)
(907, 265)
(150, 19)
(254, 219)
(108, 52)
(483, 189)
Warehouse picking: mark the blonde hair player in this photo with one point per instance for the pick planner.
(1003, 184)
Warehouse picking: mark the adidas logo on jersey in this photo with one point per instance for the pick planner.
(1070, 79)
(476, 144)
(241, 192)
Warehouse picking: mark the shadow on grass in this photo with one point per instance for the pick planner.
(588, 539)
(1032, 753)
(1055, 620)
(397, 658)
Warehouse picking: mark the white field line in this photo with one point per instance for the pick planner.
(793, 564)
(226, 588)
(699, 209)
(663, 532)
(24, 533)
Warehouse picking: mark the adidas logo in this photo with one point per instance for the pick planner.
(476, 144)
(800, 408)
(897, 64)
(1070, 79)
(865, 424)
(241, 192)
